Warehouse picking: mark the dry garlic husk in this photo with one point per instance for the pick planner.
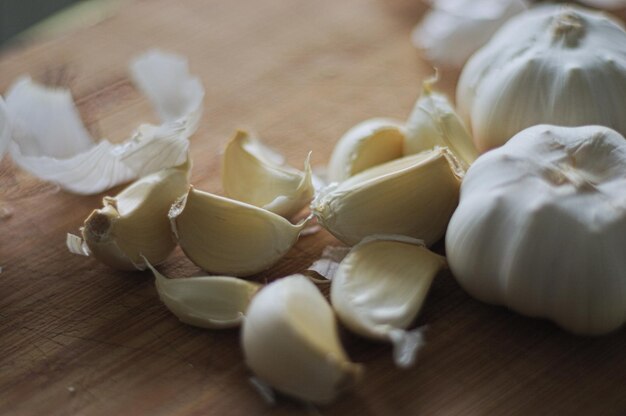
(365, 145)
(434, 122)
(413, 196)
(133, 225)
(541, 227)
(555, 64)
(212, 302)
(252, 174)
(290, 341)
(225, 236)
(379, 288)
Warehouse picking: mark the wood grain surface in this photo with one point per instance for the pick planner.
(77, 338)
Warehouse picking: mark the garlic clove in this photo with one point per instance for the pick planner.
(379, 288)
(212, 302)
(290, 340)
(365, 145)
(434, 122)
(134, 224)
(413, 196)
(255, 174)
(225, 236)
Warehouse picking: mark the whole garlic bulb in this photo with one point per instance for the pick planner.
(541, 227)
(553, 64)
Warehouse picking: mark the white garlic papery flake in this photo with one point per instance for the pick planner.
(253, 173)
(5, 129)
(230, 237)
(605, 4)
(454, 29)
(51, 142)
(365, 145)
(379, 288)
(290, 340)
(554, 64)
(212, 302)
(413, 196)
(434, 122)
(541, 227)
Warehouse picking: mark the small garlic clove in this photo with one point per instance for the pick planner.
(212, 302)
(365, 145)
(290, 340)
(255, 174)
(134, 224)
(413, 196)
(379, 288)
(225, 236)
(434, 122)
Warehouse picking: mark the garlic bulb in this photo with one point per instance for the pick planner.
(290, 340)
(133, 225)
(252, 174)
(225, 236)
(380, 287)
(365, 145)
(212, 302)
(413, 196)
(553, 64)
(541, 227)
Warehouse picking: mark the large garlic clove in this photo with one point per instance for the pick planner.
(434, 122)
(225, 236)
(254, 174)
(380, 287)
(413, 196)
(369, 143)
(134, 224)
(290, 341)
(208, 301)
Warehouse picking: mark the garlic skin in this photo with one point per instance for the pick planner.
(379, 288)
(254, 174)
(554, 64)
(133, 225)
(229, 237)
(290, 340)
(413, 196)
(541, 226)
(434, 122)
(369, 143)
(212, 302)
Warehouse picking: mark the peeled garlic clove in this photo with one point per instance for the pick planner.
(253, 173)
(413, 196)
(434, 122)
(290, 341)
(380, 287)
(365, 145)
(225, 236)
(208, 301)
(134, 224)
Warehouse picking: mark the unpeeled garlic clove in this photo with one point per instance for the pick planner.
(212, 302)
(369, 143)
(253, 173)
(134, 224)
(413, 196)
(290, 340)
(379, 288)
(225, 236)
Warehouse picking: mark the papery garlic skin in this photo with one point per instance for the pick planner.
(365, 145)
(555, 64)
(252, 174)
(229, 237)
(541, 227)
(412, 196)
(290, 340)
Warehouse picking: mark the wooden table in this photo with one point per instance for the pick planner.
(79, 338)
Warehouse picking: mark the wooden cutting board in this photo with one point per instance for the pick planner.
(79, 338)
